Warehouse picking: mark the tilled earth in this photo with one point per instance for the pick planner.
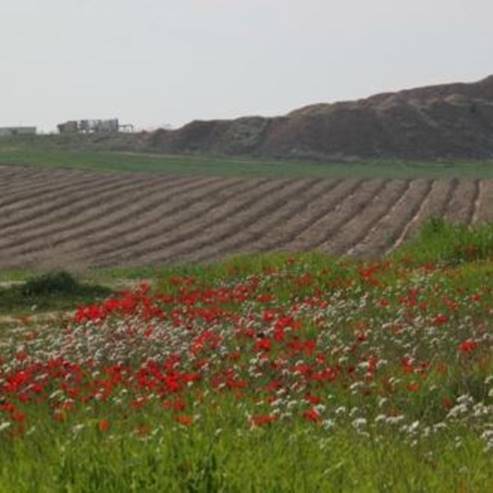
(80, 219)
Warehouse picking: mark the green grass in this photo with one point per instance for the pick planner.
(215, 458)
(450, 244)
(46, 151)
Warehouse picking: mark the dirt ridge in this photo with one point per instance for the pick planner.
(448, 121)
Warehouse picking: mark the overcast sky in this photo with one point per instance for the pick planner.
(151, 62)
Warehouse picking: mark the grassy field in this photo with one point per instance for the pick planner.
(282, 373)
(263, 373)
(47, 151)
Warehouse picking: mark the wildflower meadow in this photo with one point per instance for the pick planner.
(275, 373)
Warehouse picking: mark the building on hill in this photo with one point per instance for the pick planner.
(71, 127)
(92, 127)
(13, 131)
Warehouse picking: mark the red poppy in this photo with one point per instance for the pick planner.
(263, 345)
(468, 346)
(103, 425)
(440, 319)
(184, 420)
(312, 415)
(413, 387)
(263, 419)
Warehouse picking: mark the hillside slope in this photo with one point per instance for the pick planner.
(445, 121)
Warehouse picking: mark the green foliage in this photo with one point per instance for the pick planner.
(207, 460)
(52, 283)
(50, 291)
(55, 151)
(448, 244)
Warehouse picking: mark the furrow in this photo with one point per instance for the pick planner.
(45, 200)
(351, 205)
(415, 213)
(389, 227)
(43, 246)
(223, 231)
(314, 211)
(194, 229)
(434, 207)
(485, 208)
(250, 237)
(454, 183)
(42, 187)
(15, 179)
(15, 174)
(110, 213)
(26, 189)
(362, 221)
(472, 216)
(108, 226)
(461, 205)
(60, 207)
(378, 211)
(8, 172)
(194, 208)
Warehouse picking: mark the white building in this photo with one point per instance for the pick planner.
(12, 131)
(89, 126)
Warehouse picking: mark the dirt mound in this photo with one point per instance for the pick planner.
(452, 121)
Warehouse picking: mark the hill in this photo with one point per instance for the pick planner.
(452, 121)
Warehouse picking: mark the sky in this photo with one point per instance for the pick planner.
(158, 62)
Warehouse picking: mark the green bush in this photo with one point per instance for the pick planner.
(52, 291)
(51, 283)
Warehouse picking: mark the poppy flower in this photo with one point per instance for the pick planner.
(184, 420)
(312, 415)
(263, 419)
(468, 346)
(103, 425)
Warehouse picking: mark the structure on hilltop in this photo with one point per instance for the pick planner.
(93, 127)
(12, 131)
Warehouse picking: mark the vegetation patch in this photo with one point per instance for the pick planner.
(50, 291)
(281, 372)
(96, 153)
(449, 244)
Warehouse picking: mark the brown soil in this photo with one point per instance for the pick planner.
(350, 205)
(309, 212)
(463, 202)
(452, 121)
(356, 230)
(137, 219)
(194, 207)
(485, 207)
(388, 230)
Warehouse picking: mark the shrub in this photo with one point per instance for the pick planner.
(52, 291)
(51, 283)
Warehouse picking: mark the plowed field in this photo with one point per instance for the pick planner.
(86, 218)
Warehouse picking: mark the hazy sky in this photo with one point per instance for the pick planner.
(152, 62)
